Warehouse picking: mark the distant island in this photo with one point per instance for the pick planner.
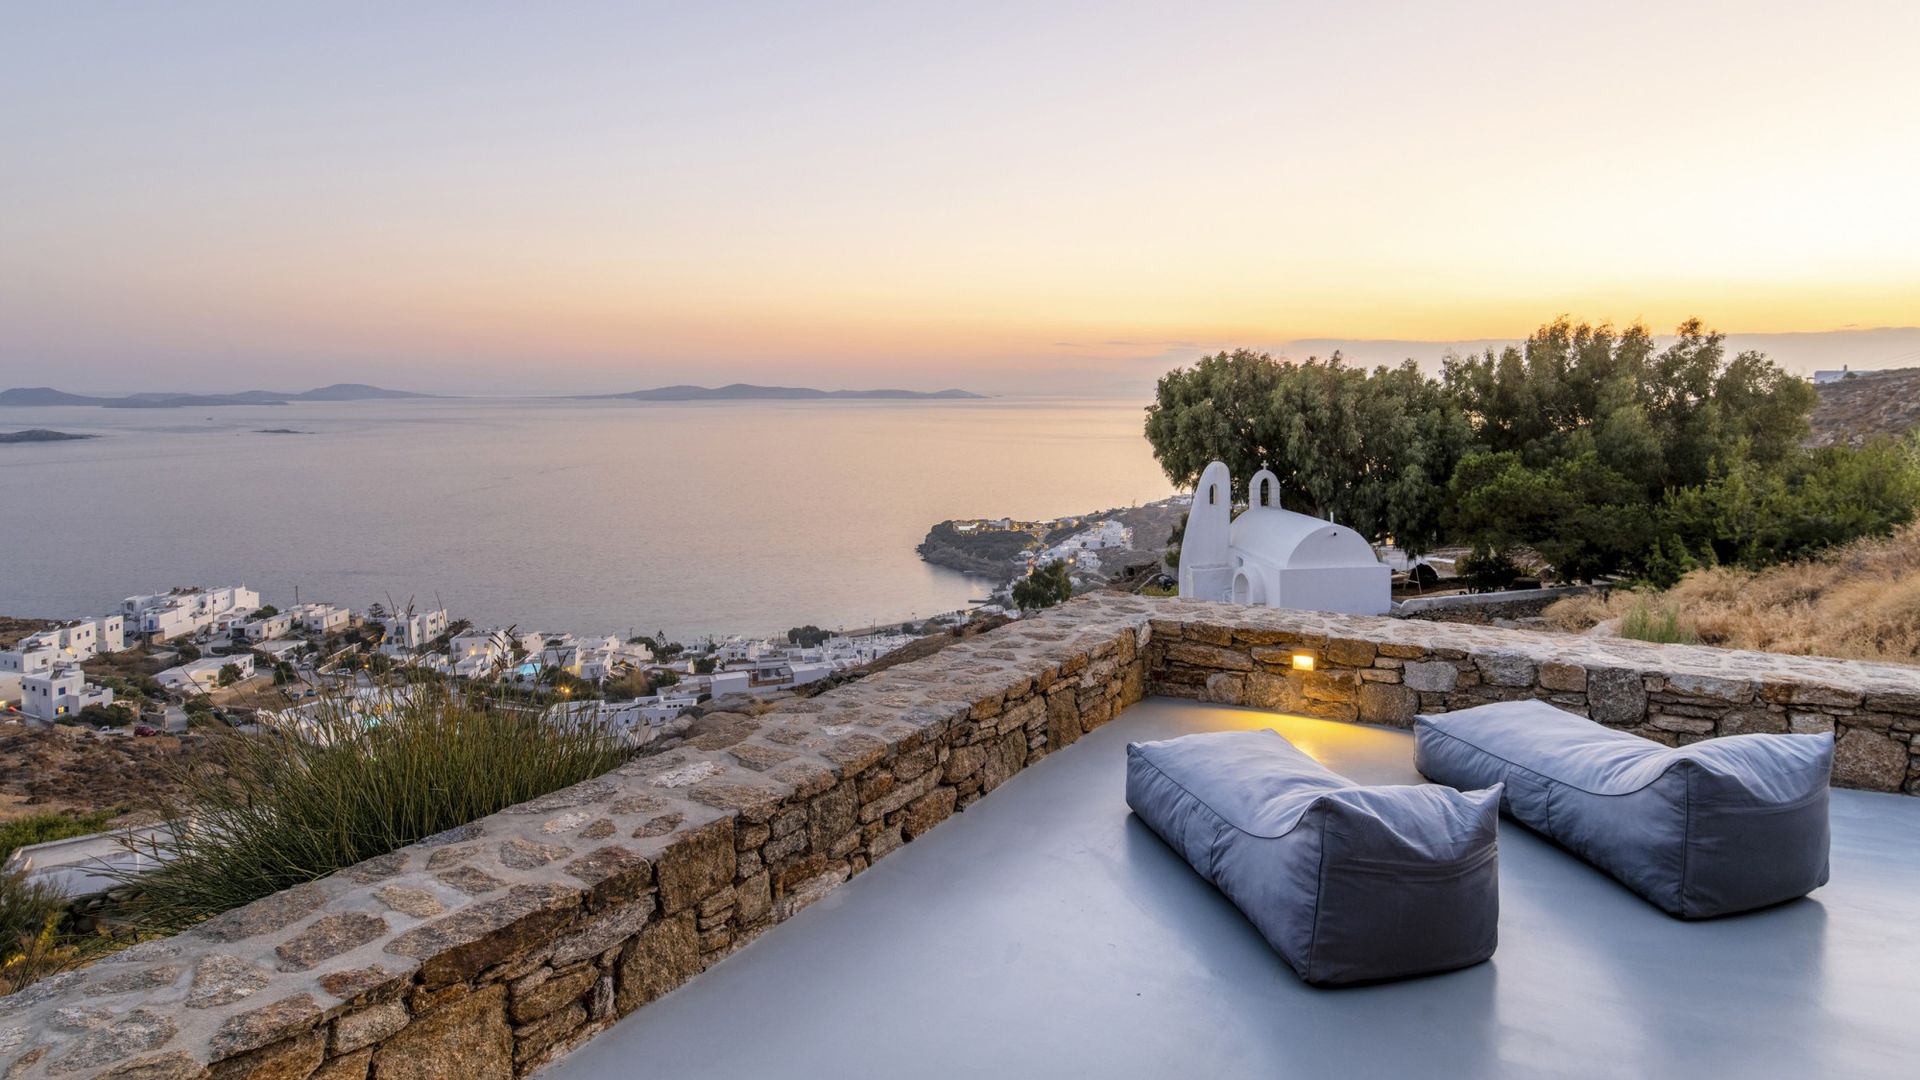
(280, 431)
(749, 392)
(40, 435)
(45, 395)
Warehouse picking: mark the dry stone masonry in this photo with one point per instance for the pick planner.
(1385, 671)
(493, 949)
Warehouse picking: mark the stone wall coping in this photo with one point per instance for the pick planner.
(1453, 601)
(1851, 676)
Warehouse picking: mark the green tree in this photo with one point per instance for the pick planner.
(1221, 409)
(807, 636)
(1372, 450)
(1753, 516)
(1047, 585)
(1583, 435)
(229, 674)
(703, 665)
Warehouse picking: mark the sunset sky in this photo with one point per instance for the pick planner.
(1040, 197)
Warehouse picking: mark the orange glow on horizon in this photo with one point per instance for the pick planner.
(920, 196)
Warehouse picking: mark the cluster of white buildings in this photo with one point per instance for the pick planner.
(1082, 549)
(184, 612)
(759, 666)
(522, 656)
(40, 675)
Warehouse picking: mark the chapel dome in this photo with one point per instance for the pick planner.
(1287, 540)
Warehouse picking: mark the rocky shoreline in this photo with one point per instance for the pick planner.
(989, 548)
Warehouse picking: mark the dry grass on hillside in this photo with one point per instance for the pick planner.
(1861, 602)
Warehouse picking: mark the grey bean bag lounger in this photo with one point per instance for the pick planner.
(1712, 828)
(1348, 883)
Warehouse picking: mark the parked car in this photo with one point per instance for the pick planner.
(144, 730)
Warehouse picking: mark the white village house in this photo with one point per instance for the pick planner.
(476, 654)
(200, 676)
(320, 618)
(60, 691)
(1271, 557)
(409, 631)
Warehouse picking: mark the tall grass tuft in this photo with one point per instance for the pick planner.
(1644, 620)
(30, 942)
(354, 779)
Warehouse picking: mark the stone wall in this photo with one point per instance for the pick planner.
(488, 951)
(1384, 671)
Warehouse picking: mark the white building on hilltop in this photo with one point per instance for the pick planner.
(1271, 557)
(60, 691)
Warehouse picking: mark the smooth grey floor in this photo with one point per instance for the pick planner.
(1047, 933)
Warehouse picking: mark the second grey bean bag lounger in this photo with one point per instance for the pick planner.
(1348, 883)
(1711, 828)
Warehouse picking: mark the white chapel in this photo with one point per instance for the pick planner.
(1273, 557)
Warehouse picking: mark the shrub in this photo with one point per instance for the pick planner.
(113, 716)
(42, 827)
(30, 939)
(31, 943)
(1046, 585)
(348, 783)
(1488, 570)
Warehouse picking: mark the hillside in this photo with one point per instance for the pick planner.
(1857, 602)
(1854, 409)
(47, 396)
(749, 392)
(975, 551)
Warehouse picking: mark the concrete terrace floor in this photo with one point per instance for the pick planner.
(1046, 932)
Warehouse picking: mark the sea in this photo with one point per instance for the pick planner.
(692, 518)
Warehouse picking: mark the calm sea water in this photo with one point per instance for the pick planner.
(587, 516)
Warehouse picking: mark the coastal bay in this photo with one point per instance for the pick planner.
(594, 516)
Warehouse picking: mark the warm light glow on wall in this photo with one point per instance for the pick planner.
(1302, 662)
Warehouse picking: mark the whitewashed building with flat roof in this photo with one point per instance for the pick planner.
(257, 629)
(60, 691)
(320, 618)
(200, 676)
(411, 631)
(162, 616)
